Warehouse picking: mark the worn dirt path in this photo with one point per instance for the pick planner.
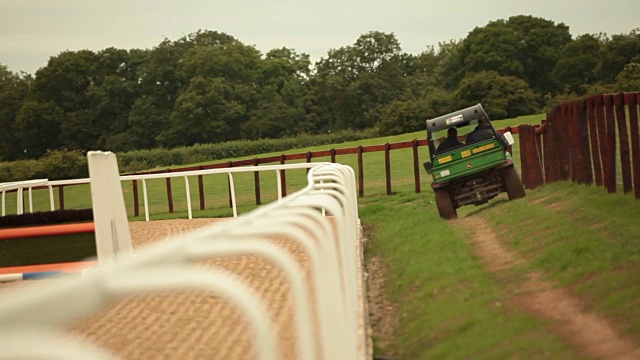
(590, 334)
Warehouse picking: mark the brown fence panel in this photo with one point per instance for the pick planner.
(602, 136)
(632, 100)
(562, 152)
(595, 146)
(525, 159)
(623, 136)
(584, 153)
(610, 156)
(572, 132)
(554, 140)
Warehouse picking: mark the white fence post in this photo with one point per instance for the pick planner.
(113, 238)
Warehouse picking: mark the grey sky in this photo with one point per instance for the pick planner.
(31, 31)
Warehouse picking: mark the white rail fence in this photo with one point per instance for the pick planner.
(33, 316)
(29, 185)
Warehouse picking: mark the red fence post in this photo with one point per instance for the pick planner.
(595, 146)
(563, 153)
(201, 189)
(625, 155)
(61, 196)
(256, 179)
(552, 144)
(387, 167)
(584, 154)
(416, 165)
(601, 123)
(136, 204)
(610, 156)
(574, 142)
(283, 177)
(523, 135)
(308, 158)
(360, 173)
(632, 101)
(169, 193)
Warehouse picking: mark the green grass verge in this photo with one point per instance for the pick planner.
(583, 239)
(448, 307)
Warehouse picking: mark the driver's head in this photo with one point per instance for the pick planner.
(452, 132)
(483, 121)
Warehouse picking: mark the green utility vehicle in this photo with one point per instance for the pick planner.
(469, 161)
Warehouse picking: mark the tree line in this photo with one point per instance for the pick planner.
(209, 87)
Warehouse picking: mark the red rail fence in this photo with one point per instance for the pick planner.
(586, 141)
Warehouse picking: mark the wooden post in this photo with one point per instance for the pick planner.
(387, 167)
(547, 148)
(136, 201)
(61, 196)
(201, 189)
(169, 193)
(572, 131)
(523, 135)
(360, 173)
(610, 162)
(308, 160)
(333, 155)
(256, 179)
(584, 155)
(283, 177)
(564, 142)
(595, 146)
(632, 101)
(625, 154)
(416, 165)
(601, 123)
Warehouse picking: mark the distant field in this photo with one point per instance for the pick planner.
(216, 189)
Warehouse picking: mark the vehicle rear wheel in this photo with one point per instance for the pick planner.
(445, 206)
(514, 184)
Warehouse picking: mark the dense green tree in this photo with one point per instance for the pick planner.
(37, 128)
(501, 96)
(14, 89)
(616, 52)
(577, 63)
(210, 110)
(522, 46)
(356, 82)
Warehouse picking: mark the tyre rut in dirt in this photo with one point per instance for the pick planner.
(513, 183)
(445, 206)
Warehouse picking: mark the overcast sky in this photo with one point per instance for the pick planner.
(31, 31)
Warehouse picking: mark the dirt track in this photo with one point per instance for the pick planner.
(590, 334)
(192, 325)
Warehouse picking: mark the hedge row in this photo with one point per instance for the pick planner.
(66, 164)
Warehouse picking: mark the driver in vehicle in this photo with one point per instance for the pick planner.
(451, 141)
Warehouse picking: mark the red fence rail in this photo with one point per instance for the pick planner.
(586, 140)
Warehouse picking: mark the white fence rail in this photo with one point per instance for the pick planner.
(31, 184)
(32, 317)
